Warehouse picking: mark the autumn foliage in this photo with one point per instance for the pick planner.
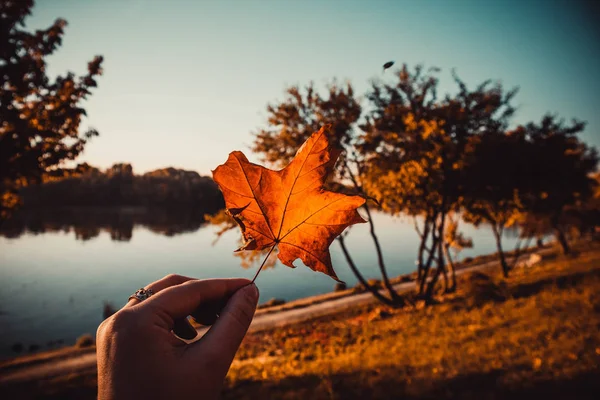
(289, 208)
(41, 117)
(433, 157)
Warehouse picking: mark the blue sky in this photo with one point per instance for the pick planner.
(186, 82)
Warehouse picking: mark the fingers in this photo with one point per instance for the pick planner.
(209, 311)
(179, 301)
(161, 284)
(183, 329)
(225, 336)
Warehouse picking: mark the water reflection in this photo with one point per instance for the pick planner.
(87, 223)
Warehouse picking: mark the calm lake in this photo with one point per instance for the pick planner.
(55, 281)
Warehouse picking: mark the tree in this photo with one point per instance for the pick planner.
(496, 174)
(560, 168)
(302, 112)
(414, 147)
(429, 157)
(530, 178)
(87, 186)
(40, 117)
(291, 121)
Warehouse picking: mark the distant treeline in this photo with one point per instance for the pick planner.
(118, 186)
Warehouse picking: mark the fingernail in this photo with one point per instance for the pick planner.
(251, 291)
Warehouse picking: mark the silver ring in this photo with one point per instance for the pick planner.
(141, 294)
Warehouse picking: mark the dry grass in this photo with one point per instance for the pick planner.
(536, 334)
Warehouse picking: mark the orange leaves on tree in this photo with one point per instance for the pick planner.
(289, 208)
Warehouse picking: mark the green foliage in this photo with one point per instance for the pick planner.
(40, 117)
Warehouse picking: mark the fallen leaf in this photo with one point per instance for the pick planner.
(289, 208)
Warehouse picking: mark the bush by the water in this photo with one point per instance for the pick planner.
(84, 341)
(480, 288)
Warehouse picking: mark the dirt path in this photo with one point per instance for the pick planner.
(262, 321)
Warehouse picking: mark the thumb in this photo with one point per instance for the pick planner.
(225, 336)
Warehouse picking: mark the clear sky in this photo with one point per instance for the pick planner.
(186, 82)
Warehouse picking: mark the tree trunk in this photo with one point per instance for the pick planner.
(559, 233)
(382, 268)
(374, 291)
(424, 236)
(498, 236)
(445, 276)
(451, 267)
(422, 245)
(562, 239)
(428, 296)
(427, 265)
(384, 275)
(440, 261)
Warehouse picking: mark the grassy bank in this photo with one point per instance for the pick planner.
(535, 334)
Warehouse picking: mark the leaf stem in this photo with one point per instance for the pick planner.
(264, 261)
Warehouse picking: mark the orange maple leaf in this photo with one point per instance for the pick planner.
(289, 208)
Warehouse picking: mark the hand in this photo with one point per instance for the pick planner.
(140, 357)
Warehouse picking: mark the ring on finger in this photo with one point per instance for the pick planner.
(141, 294)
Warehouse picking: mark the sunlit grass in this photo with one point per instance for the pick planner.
(538, 335)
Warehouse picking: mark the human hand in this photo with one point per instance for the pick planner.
(138, 355)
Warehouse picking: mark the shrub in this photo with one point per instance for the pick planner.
(84, 341)
(272, 303)
(480, 288)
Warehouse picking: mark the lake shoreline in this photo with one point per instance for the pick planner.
(331, 302)
(403, 278)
